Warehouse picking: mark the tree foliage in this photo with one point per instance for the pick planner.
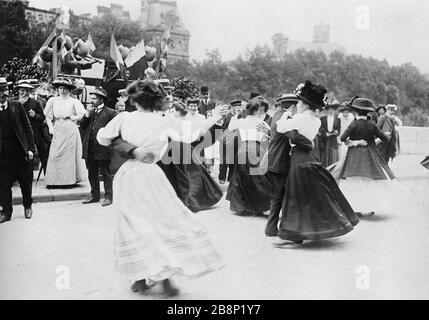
(345, 76)
(14, 31)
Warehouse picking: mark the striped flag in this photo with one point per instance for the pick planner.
(91, 43)
(117, 57)
(136, 61)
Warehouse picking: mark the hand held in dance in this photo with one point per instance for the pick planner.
(143, 155)
(31, 113)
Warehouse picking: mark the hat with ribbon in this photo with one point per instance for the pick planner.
(24, 84)
(66, 82)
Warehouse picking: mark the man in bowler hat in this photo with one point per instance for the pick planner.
(97, 157)
(17, 149)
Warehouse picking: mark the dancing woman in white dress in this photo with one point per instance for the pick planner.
(156, 237)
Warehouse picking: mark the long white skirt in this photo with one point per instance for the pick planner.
(368, 195)
(65, 164)
(156, 236)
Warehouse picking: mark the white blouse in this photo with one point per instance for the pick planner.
(151, 131)
(305, 123)
(247, 128)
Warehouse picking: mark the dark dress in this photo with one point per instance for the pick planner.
(314, 208)
(196, 188)
(249, 193)
(249, 189)
(364, 161)
(364, 176)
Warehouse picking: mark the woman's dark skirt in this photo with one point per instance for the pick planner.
(314, 207)
(249, 189)
(193, 184)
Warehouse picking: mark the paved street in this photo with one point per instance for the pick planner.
(389, 252)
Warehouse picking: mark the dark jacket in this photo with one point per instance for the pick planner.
(332, 140)
(38, 121)
(91, 126)
(279, 147)
(22, 127)
(203, 107)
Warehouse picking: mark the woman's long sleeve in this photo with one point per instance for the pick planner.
(79, 110)
(111, 131)
(49, 114)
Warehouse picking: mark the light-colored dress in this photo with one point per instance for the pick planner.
(156, 236)
(65, 163)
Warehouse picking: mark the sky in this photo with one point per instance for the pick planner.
(395, 30)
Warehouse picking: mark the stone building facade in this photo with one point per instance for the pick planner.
(159, 15)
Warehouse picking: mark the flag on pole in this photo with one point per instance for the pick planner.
(91, 43)
(161, 55)
(63, 49)
(63, 21)
(117, 57)
(54, 65)
(136, 61)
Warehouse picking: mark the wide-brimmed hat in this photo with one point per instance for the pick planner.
(381, 106)
(235, 103)
(361, 104)
(312, 94)
(99, 92)
(24, 84)
(4, 83)
(64, 82)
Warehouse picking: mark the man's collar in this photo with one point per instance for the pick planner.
(101, 106)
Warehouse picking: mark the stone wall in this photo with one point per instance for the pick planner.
(414, 140)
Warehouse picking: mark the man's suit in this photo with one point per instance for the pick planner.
(97, 156)
(278, 170)
(16, 140)
(206, 105)
(37, 124)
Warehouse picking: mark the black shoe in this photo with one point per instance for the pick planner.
(169, 289)
(5, 218)
(92, 200)
(106, 202)
(140, 286)
(28, 212)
